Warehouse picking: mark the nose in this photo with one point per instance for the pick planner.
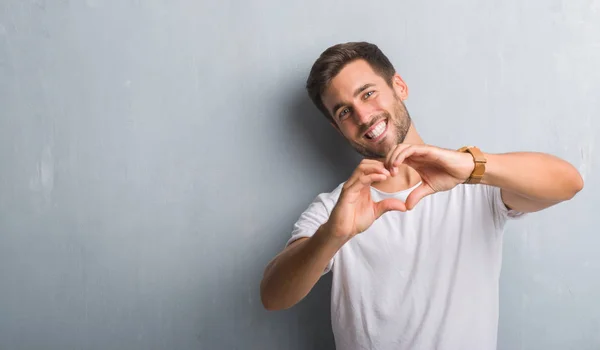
(362, 114)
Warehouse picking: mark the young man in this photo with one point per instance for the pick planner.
(414, 236)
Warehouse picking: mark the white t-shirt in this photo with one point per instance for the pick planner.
(424, 279)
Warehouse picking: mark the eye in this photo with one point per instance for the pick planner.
(343, 113)
(368, 94)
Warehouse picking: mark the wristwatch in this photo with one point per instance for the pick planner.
(479, 160)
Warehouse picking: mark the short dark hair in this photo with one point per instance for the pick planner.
(336, 57)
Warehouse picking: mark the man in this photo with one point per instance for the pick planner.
(414, 236)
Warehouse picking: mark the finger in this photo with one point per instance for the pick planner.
(416, 150)
(392, 155)
(415, 161)
(365, 180)
(368, 179)
(417, 194)
(371, 161)
(389, 204)
(368, 168)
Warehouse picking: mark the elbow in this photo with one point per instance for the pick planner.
(575, 185)
(267, 302)
(580, 181)
(265, 297)
(268, 306)
(271, 298)
(579, 185)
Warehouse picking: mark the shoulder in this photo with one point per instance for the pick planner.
(326, 200)
(484, 196)
(315, 214)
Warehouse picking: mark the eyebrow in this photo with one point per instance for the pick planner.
(356, 93)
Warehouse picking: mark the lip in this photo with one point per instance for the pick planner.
(387, 124)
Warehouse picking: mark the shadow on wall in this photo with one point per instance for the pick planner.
(228, 315)
(332, 152)
(233, 317)
(323, 141)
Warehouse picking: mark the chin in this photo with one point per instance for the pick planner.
(378, 151)
(387, 144)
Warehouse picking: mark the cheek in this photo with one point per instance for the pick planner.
(388, 108)
(348, 130)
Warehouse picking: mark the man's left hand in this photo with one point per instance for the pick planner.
(440, 169)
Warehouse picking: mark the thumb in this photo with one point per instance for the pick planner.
(389, 204)
(417, 194)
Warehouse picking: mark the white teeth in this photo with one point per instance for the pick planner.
(373, 134)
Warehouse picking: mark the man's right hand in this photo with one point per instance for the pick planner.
(355, 211)
(292, 274)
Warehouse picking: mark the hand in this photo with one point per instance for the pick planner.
(355, 211)
(440, 169)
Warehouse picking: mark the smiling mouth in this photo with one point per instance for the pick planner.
(375, 132)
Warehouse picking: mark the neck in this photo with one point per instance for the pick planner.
(407, 177)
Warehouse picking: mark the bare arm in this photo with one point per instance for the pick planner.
(528, 181)
(532, 181)
(290, 276)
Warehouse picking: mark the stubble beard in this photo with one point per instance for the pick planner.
(401, 122)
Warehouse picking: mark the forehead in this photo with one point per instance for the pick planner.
(354, 75)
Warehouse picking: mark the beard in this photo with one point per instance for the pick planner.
(400, 122)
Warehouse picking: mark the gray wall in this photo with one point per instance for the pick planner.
(155, 154)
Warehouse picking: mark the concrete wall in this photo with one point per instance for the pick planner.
(155, 154)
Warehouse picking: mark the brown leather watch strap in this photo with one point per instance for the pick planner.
(479, 160)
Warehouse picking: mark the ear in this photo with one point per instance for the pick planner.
(400, 87)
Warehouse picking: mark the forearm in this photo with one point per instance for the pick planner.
(536, 176)
(291, 275)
